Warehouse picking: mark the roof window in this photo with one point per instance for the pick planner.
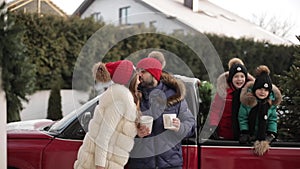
(227, 17)
(208, 13)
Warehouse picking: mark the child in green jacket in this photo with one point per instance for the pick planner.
(257, 115)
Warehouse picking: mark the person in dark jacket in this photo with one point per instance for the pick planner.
(161, 94)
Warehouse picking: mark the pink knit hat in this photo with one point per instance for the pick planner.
(151, 65)
(119, 72)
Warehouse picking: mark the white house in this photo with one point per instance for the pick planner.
(176, 15)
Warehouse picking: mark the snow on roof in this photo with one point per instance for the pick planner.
(211, 18)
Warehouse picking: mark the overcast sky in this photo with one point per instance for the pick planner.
(283, 10)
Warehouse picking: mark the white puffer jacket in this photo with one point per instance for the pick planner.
(111, 131)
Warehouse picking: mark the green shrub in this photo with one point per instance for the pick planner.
(54, 104)
(206, 93)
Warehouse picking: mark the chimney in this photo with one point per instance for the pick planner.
(192, 4)
(38, 6)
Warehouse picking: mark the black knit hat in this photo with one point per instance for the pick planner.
(262, 79)
(235, 69)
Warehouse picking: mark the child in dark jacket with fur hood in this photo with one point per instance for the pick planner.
(257, 114)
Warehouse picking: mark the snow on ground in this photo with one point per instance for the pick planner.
(37, 106)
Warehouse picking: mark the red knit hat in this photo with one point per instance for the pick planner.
(119, 72)
(151, 65)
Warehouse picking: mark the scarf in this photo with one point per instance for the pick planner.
(235, 109)
(259, 112)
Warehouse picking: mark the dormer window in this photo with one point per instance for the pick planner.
(123, 15)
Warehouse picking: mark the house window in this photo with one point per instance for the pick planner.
(151, 23)
(178, 31)
(97, 16)
(123, 15)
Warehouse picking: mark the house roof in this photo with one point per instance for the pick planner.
(45, 7)
(84, 5)
(209, 18)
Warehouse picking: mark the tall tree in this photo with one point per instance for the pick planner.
(54, 111)
(54, 44)
(17, 72)
(288, 111)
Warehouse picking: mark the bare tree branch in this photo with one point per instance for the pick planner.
(280, 27)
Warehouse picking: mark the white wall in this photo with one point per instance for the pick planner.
(3, 149)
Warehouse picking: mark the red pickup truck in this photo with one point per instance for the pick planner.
(44, 144)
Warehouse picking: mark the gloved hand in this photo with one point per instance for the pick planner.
(244, 137)
(271, 136)
(261, 147)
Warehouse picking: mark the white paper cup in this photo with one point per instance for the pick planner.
(168, 121)
(147, 121)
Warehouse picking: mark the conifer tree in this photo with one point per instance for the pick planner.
(17, 72)
(54, 103)
(289, 110)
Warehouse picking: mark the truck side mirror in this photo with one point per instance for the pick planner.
(85, 119)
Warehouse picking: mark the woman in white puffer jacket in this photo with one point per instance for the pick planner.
(112, 130)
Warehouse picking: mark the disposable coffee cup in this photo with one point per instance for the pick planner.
(168, 121)
(147, 121)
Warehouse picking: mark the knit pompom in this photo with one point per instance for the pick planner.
(262, 69)
(100, 73)
(260, 147)
(234, 61)
(159, 56)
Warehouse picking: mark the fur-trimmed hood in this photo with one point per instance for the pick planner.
(248, 99)
(176, 84)
(222, 84)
